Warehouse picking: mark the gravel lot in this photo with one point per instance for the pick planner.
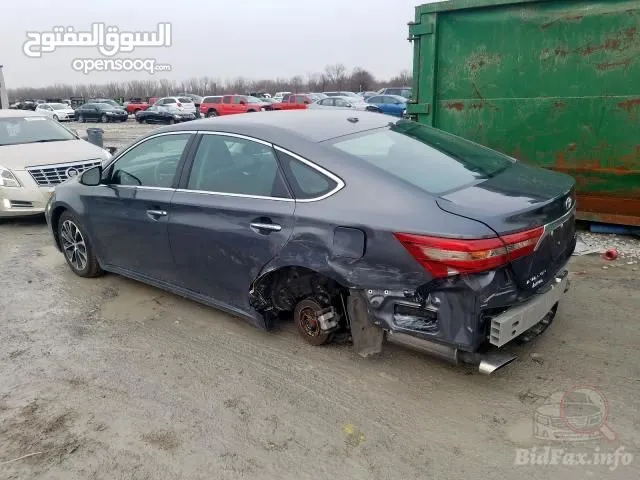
(111, 379)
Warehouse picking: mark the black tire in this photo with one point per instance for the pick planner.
(76, 247)
(104, 118)
(307, 325)
(55, 117)
(212, 113)
(81, 119)
(171, 121)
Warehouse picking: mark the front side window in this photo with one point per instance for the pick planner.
(225, 164)
(301, 99)
(341, 102)
(238, 100)
(153, 163)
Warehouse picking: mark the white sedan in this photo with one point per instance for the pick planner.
(58, 111)
(355, 103)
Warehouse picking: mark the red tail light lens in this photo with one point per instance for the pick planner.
(450, 256)
(179, 104)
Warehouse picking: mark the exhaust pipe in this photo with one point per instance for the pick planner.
(487, 362)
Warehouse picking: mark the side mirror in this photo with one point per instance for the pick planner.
(307, 102)
(91, 177)
(242, 102)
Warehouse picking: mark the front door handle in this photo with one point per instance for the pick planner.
(156, 214)
(272, 227)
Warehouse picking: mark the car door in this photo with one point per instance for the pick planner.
(230, 217)
(128, 213)
(226, 106)
(238, 106)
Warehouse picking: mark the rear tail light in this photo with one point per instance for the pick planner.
(450, 256)
(179, 104)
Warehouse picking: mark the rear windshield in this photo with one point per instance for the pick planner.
(185, 100)
(428, 158)
(19, 130)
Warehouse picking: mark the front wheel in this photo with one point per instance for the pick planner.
(212, 113)
(55, 117)
(104, 118)
(81, 119)
(77, 248)
(171, 121)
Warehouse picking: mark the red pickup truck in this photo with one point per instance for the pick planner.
(136, 105)
(294, 102)
(214, 106)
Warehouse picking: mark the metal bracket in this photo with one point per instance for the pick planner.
(416, 30)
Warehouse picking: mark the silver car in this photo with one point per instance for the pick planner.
(356, 103)
(58, 111)
(36, 154)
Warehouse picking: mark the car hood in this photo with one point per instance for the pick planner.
(17, 157)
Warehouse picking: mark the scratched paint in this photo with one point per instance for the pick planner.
(555, 84)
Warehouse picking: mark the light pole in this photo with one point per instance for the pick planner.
(4, 98)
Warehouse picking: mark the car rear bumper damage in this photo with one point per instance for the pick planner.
(464, 321)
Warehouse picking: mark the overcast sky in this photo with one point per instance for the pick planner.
(217, 38)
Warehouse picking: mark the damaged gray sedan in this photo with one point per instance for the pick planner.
(357, 227)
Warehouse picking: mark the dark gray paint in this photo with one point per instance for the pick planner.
(205, 248)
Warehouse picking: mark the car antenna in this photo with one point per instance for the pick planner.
(353, 119)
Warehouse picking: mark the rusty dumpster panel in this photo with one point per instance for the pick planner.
(555, 84)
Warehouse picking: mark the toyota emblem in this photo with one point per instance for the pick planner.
(71, 172)
(568, 202)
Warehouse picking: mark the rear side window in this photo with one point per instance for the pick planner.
(428, 158)
(305, 182)
(227, 100)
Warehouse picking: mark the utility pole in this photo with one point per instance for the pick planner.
(4, 98)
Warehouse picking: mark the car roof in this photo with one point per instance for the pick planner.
(281, 126)
(5, 113)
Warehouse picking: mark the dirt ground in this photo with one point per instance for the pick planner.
(111, 379)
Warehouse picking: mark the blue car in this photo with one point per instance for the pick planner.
(390, 104)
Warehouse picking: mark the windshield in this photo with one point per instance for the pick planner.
(19, 130)
(104, 106)
(426, 157)
(112, 103)
(58, 106)
(185, 100)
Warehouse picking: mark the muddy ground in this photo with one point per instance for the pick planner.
(111, 379)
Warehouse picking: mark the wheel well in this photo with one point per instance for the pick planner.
(211, 110)
(55, 217)
(280, 290)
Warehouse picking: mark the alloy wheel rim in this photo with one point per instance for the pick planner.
(73, 244)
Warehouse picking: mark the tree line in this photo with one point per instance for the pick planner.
(333, 77)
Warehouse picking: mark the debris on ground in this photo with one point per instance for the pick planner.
(627, 246)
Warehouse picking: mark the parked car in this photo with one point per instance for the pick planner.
(58, 111)
(232, 104)
(108, 101)
(350, 224)
(297, 101)
(405, 92)
(31, 166)
(209, 105)
(135, 105)
(366, 95)
(196, 99)
(168, 115)
(100, 112)
(280, 95)
(181, 103)
(390, 104)
(340, 94)
(344, 102)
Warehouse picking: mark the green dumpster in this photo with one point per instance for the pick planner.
(551, 83)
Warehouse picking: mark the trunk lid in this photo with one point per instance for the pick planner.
(523, 198)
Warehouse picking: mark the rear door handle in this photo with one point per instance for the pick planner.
(155, 214)
(272, 227)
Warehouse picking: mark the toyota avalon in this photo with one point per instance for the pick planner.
(355, 225)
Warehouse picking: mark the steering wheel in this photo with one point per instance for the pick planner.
(165, 171)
